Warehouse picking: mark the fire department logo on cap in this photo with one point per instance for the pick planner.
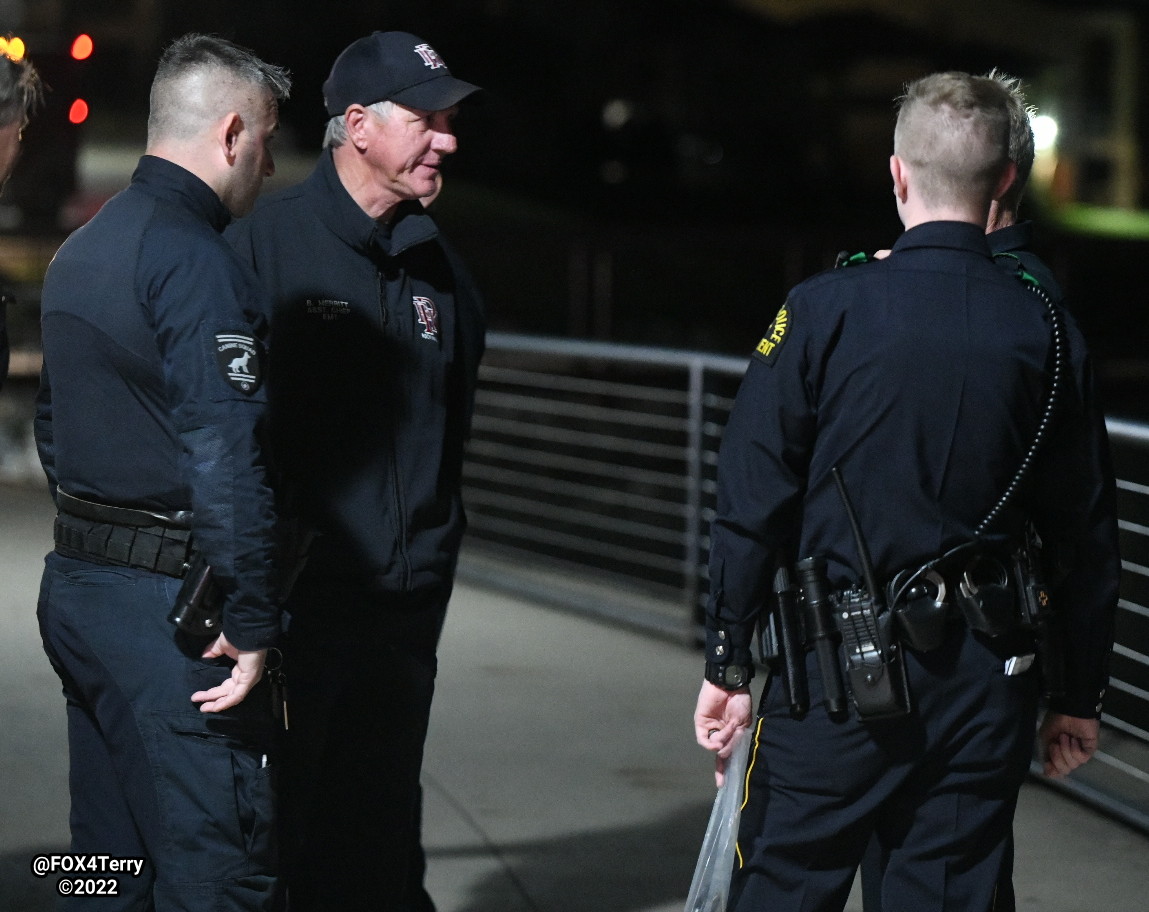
(427, 315)
(240, 357)
(430, 57)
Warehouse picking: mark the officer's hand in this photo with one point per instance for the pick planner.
(245, 674)
(1067, 742)
(717, 716)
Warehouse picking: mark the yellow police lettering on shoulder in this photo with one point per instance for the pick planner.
(775, 335)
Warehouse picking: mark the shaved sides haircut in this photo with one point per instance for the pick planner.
(195, 85)
(953, 130)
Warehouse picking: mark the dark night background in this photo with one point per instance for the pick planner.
(749, 141)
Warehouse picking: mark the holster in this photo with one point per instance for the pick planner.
(198, 609)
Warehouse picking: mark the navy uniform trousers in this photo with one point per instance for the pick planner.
(938, 788)
(151, 776)
(361, 671)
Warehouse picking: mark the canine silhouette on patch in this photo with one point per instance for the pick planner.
(239, 365)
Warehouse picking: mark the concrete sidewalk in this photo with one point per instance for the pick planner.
(561, 772)
(562, 776)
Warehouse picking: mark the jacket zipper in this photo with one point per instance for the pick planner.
(396, 488)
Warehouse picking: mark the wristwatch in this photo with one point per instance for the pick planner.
(730, 676)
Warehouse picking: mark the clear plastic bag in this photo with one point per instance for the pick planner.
(710, 887)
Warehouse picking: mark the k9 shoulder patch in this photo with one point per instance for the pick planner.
(240, 358)
(771, 344)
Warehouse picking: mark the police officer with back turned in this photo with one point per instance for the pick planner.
(1011, 241)
(916, 509)
(148, 425)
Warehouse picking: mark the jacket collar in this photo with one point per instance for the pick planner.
(168, 181)
(954, 235)
(1018, 236)
(346, 220)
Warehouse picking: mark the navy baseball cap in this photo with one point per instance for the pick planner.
(392, 66)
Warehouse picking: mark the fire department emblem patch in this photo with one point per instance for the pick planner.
(240, 357)
(767, 350)
(427, 315)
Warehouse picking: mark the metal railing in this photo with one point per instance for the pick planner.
(598, 461)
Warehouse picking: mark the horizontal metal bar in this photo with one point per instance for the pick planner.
(1096, 797)
(493, 449)
(661, 600)
(1135, 528)
(714, 401)
(626, 528)
(611, 352)
(1127, 430)
(1139, 692)
(1124, 485)
(543, 484)
(1133, 608)
(1126, 728)
(1139, 569)
(575, 543)
(612, 445)
(539, 405)
(1125, 652)
(1120, 765)
(545, 380)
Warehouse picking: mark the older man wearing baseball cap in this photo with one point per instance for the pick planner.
(376, 335)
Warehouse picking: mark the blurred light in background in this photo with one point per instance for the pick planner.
(78, 113)
(12, 47)
(1044, 132)
(82, 47)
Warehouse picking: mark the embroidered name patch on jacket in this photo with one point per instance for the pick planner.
(767, 350)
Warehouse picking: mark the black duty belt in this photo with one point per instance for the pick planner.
(120, 536)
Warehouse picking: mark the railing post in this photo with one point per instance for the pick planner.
(693, 530)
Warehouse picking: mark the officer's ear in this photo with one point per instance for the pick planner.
(1008, 176)
(227, 135)
(899, 172)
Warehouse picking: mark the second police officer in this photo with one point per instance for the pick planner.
(907, 430)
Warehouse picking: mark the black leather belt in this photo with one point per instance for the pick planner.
(124, 537)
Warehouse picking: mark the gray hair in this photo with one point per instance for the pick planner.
(183, 101)
(336, 133)
(20, 90)
(954, 130)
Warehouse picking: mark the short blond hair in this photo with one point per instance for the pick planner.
(953, 130)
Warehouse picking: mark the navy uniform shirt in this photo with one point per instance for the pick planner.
(152, 392)
(922, 378)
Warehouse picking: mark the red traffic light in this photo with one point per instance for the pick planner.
(78, 113)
